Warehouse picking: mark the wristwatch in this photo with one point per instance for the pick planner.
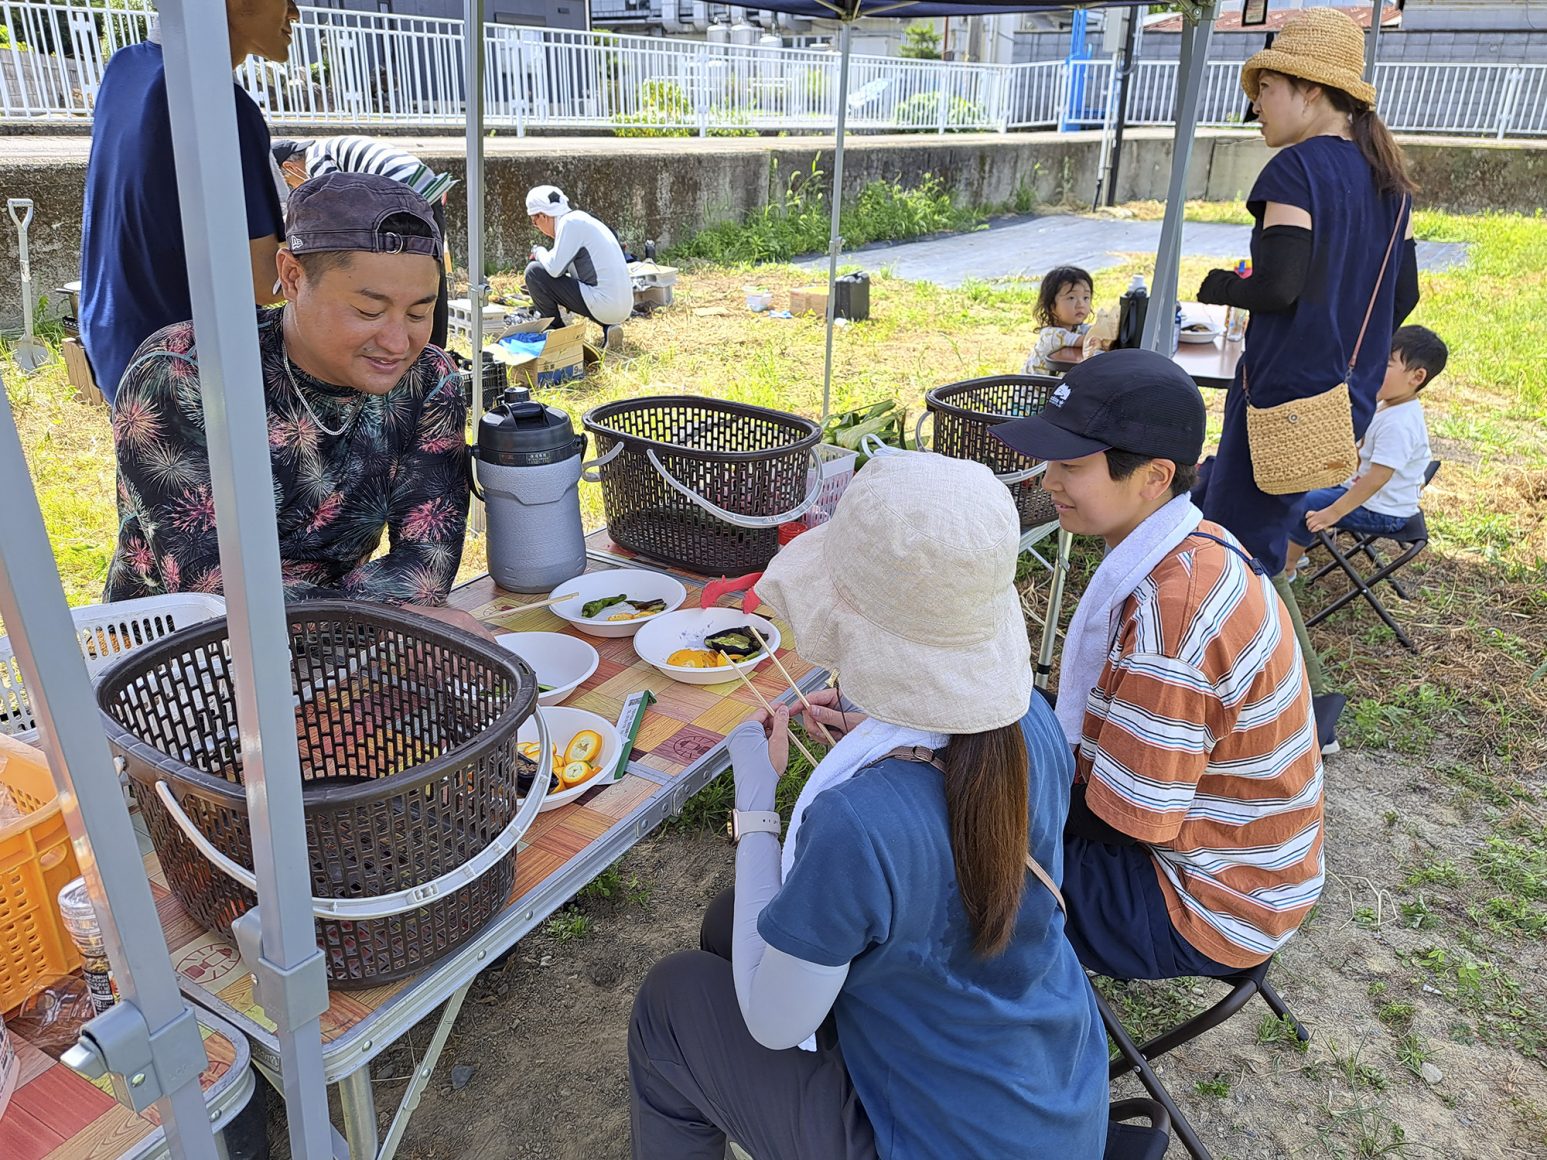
(751, 822)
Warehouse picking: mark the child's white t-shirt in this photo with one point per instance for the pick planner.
(1397, 438)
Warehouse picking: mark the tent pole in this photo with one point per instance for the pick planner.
(278, 939)
(477, 286)
(1377, 10)
(835, 242)
(1198, 29)
(1130, 35)
(33, 606)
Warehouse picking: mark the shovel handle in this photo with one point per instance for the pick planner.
(22, 220)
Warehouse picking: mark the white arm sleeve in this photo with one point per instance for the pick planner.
(783, 999)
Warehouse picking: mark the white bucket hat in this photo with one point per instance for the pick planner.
(908, 592)
(548, 199)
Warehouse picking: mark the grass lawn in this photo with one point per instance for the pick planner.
(1468, 886)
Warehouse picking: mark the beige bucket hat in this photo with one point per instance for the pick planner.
(1321, 45)
(908, 592)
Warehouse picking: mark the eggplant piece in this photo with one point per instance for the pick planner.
(649, 607)
(737, 643)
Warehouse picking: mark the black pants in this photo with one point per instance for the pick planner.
(696, 1075)
(1117, 917)
(548, 293)
(439, 328)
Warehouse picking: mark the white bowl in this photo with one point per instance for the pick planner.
(636, 582)
(560, 661)
(1200, 336)
(665, 634)
(563, 724)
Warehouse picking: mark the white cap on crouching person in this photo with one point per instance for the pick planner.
(548, 199)
(908, 593)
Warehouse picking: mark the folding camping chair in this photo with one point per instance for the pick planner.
(1411, 539)
(1136, 1057)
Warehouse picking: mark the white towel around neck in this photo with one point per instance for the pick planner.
(866, 742)
(1124, 568)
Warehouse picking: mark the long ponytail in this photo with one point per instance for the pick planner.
(1379, 147)
(986, 787)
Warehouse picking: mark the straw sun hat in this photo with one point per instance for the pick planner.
(908, 592)
(1321, 45)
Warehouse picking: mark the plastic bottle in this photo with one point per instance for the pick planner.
(1176, 331)
(10, 1068)
(81, 921)
(1235, 317)
(1131, 309)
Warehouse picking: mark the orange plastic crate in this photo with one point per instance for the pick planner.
(36, 860)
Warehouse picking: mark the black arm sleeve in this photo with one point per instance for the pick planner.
(1281, 259)
(1083, 823)
(1407, 283)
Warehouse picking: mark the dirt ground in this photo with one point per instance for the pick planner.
(546, 1033)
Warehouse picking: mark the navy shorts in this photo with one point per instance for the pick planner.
(1117, 917)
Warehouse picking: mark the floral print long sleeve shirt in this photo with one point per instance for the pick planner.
(399, 464)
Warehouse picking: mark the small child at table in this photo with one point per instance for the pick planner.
(1393, 456)
(1063, 308)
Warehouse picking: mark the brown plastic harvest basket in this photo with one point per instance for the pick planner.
(410, 778)
(700, 483)
(965, 416)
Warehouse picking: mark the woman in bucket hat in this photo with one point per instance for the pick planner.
(1326, 208)
(904, 938)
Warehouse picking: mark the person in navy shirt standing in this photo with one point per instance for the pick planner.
(896, 982)
(134, 277)
(1326, 207)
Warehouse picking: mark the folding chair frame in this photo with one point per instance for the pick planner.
(1136, 1057)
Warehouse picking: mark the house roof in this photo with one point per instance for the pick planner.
(1391, 17)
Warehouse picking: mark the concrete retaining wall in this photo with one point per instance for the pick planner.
(668, 188)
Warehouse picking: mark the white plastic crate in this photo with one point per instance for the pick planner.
(837, 468)
(104, 632)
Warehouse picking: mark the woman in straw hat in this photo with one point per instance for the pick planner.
(908, 937)
(1327, 209)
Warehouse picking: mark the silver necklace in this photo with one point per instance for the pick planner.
(300, 394)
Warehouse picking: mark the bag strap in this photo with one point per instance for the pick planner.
(1380, 279)
(927, 756)
(1369, 311)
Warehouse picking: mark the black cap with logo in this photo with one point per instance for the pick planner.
(1124, 400)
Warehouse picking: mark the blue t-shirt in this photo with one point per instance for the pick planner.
(1305, 350)
(950, 1054)
(134, 272)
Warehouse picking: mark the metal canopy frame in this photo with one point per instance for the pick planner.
(150, 1041)
(1198, 19)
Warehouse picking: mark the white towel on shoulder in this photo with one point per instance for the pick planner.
(1124, 568)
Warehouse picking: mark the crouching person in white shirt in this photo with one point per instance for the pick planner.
(585, 271)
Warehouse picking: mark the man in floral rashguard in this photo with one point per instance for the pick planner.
(365, 421)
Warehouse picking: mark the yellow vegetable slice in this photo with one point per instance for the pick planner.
(574, 773)
(585, 746)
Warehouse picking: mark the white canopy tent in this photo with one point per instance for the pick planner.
(149, 1041)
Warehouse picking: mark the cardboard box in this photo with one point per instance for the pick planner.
(78, 369)
(809, 300)
(562, 357)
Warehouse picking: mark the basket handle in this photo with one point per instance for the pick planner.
(401, 901)
(590, 470)
(1009, 478)
(737, 518)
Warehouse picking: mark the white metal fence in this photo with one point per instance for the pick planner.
(368, 69)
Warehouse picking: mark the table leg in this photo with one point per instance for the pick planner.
(421, 1077)
(359, 1106)
(1055, 599)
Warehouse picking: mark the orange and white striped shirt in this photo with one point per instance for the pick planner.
(1199, 741)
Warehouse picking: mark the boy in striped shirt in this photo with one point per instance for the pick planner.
(1194, 843)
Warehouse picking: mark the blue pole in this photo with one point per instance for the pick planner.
(1077, 52)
